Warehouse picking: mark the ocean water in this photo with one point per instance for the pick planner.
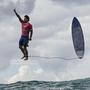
(81, 84)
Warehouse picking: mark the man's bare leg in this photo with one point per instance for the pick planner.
(26, 53)
(22, 50)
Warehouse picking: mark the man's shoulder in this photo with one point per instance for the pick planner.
(30, 24)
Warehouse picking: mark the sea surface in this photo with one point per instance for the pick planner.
(80, 84)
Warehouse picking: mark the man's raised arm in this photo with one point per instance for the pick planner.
(20, 19)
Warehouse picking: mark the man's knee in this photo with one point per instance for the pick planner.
(20, 47)
(25, 47)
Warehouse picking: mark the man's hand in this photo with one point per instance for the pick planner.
(30, 39)
(14, 10)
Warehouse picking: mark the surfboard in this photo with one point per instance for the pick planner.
(78, 38)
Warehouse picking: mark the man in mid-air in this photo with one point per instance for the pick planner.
(25, 37)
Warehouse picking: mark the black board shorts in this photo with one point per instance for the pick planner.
(23, 41)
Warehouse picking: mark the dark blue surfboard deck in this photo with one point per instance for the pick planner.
(78, 38)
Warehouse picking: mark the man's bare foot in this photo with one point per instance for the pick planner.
(23, 57)
(26, 58)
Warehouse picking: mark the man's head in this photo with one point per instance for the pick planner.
(26, 18)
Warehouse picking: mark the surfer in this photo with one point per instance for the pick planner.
(27, 32)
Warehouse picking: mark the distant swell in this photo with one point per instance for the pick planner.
(81, 84)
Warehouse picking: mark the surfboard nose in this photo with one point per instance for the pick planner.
(75, 22)
(74, 18)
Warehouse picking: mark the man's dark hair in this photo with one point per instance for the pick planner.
(27, 17)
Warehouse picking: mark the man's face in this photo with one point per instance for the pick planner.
(25, 19)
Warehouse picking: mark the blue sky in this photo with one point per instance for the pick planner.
(51, 21)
